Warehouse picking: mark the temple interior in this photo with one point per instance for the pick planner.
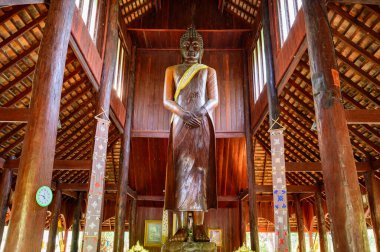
(305, 71)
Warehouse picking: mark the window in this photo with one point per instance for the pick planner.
(287, 12)
(259, 67)
(89, 12)
(118, 78)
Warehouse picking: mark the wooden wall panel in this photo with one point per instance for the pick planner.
(225, 218)
(146, 213)
(150, 117)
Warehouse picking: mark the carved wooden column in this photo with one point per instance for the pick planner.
(300, 225)
(250, 164)
(54, 220)
(121, 199)
(36, 163)
(76, 224)
(321, 222)
(343, 195)
(6, 182)
(94, 211)
(373, 189)
(132, 223)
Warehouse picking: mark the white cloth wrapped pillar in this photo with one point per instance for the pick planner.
(96, 191)
(280, 201)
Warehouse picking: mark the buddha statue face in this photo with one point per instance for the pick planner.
(191, 46)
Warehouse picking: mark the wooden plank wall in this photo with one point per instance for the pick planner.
(226, 219)
(150, 117)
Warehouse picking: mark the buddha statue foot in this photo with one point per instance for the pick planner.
(200, 234)
(180, 236)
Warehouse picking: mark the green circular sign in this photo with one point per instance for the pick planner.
(44, 196)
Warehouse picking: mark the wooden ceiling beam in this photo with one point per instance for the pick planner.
(28, 89)
(255, 8)
(130, 6)
(360, 135)
(361, 90)
(17, 79)
(290, 188)
(357, 104)
(11, 13)
(317, 167)
(23, 30)
(75, 98)
(365, 29)
(350, 43)
(363, 116)
(174, 30)
(84, 109)
(344, 79)
(19, 57)
(22, 2)
(110, 187)
(140, 8)
(11, 133)
(230, 5)
(62, 165)
(13, 145)
(14, 115)
(85, 139)
(375, 2)
(357, 69)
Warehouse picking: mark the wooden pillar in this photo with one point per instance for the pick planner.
(109, 63)
(65, 238)
(121, 199)
(6, 182)
(281, 217)
(300, 225)
(343, 195)
(311, 241)
(36, 163)
(242, 222)
(94, 216)
(132, 223)
(250, 164)
(321, 222)
(170, 223)
(273, 104)
(76, 223)
(373, 189)
(54, 220)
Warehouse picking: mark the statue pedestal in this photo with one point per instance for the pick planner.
(189, 247)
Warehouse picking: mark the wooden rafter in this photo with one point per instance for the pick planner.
(15, 115)
(22, 2)
(230, 6)
(365, 29)
(375, 2)
(63, 165)
(140, 9)
(363, 116)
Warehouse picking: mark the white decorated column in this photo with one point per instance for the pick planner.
(280, 201)
(95, 194)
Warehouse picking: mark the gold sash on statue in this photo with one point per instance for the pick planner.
(186, 78)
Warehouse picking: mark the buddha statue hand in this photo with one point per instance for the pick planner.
(191, 120)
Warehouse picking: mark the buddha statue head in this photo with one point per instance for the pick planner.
(191, 45)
